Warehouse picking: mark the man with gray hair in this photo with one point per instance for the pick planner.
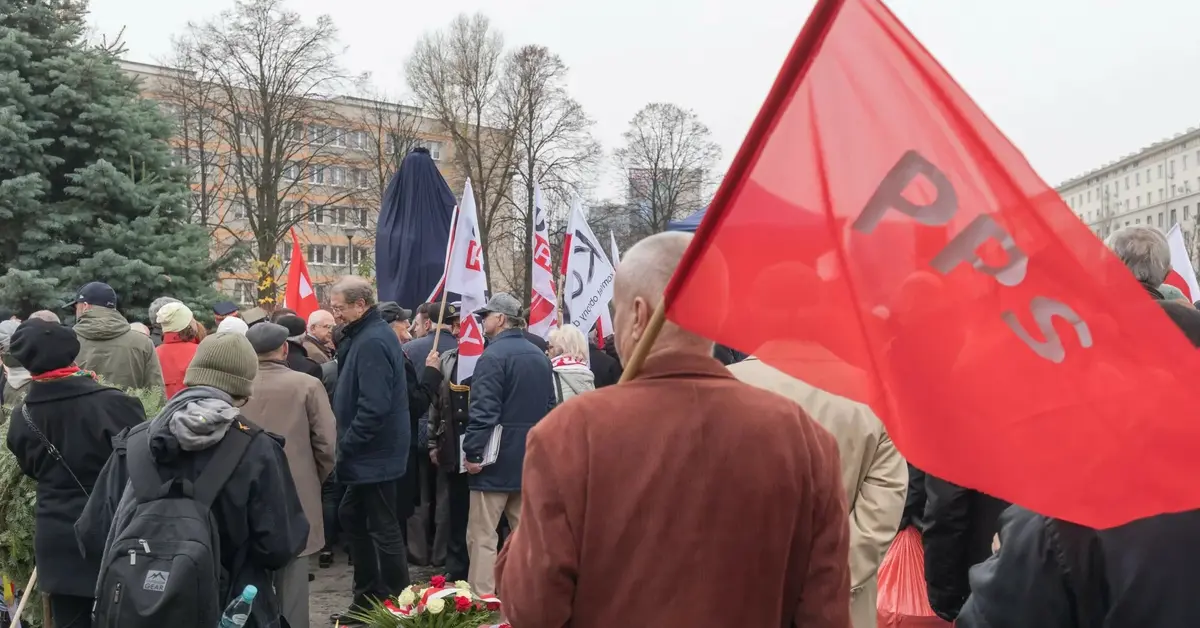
(373, 441)
(46, 315)
(1145, 251)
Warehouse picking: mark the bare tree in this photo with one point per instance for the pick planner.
(553, 145)
(391, 130)
(457, 77)
(275, 78)
(668, 159)
(192, 97)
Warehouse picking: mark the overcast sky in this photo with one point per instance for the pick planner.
(1074, 83)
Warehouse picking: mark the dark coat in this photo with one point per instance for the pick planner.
(261, 522)
(606, 370)
(371, 404)
(513, 387)
(298, 360)
(1052, 574)
(914, 500)
(959, 526)
(536, 340)
(80, 417)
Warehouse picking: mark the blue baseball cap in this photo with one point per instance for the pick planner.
(96, 293)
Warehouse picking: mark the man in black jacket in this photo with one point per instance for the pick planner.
(69, 409)
(297, 357)
(960, 524)
(259, 518)
(1053, 574)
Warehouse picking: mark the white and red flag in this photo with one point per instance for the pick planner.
(299, 294)
(589, 273)
(437, 290)
(465, 276)
(1182, 275)
(543, 304)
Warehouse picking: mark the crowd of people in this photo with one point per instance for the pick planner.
(711, 489)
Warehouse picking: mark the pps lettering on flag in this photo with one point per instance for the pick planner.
(898, 250)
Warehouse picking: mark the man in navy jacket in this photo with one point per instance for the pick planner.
(371, 405)
(512, 389)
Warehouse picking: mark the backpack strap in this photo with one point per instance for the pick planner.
(223, 463)
(1078, 554)
(148, 484)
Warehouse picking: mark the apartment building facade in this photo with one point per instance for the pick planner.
(1158, 186)
(332, 190)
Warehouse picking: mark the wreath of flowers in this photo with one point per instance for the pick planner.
(436, 603)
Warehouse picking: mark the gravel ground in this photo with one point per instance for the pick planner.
(331, 591)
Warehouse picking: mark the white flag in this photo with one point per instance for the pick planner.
(465, 275)
(612, 247)
(543, 304)
(1182, 275)
(589, 273)
(605, 327)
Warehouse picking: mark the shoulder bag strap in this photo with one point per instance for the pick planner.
(558, 385)
(51, 448)
(223, 463)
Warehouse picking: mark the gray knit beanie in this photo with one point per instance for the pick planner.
(225, 361)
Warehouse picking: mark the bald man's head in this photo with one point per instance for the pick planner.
(642, 278)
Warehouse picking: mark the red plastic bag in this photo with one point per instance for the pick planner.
(903, 601)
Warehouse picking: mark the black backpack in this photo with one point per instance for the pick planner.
(164, 567)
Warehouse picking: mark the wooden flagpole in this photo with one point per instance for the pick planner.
(446, 279)
(16, 618)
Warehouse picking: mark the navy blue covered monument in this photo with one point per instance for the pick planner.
(414, 227)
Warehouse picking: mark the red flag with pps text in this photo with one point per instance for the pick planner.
(896, 249)
(299, 294)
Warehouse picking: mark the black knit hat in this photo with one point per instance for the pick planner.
(42, 346)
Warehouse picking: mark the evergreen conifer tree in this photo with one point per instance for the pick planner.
(87, 188)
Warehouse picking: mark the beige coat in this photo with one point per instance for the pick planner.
(296, 407)
(873, 473)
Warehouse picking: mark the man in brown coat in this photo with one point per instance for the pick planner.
(874, 476)
(294, 406)
(681, 498)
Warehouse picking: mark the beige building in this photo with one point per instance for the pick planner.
(1159, 186)
(331, 187)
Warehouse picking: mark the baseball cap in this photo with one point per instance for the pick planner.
(501, 303)
(224, 308)
(96, 293)
(391, 312)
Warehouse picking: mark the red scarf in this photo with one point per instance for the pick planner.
(65, 371)
(566, 360)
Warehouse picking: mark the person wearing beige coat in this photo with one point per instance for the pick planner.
(295, 406)
(874, 475)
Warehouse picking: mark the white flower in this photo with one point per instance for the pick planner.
(407, 597)
(436, 606)
(463, 585)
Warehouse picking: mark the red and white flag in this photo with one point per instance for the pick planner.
(1182, 275)
(898, 250)
(589, 273)
(543, 304)
(299, 294)
(465, 276)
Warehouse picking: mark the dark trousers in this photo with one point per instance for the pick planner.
(458, 561)
(69, 611)
(331, 501)
(420, 524)
(370, 516)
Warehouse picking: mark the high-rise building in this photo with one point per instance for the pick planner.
(1158, 186)
(333, 167)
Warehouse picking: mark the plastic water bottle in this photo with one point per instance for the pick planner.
(238, 611)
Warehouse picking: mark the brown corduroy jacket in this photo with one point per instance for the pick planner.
(682, 498)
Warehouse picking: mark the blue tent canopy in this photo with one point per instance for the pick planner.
(688, 224)
(414, 227)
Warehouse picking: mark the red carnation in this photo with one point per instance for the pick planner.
(438, 581)
(462, 604)
(493, 606)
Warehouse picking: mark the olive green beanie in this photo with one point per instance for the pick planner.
(224, 361)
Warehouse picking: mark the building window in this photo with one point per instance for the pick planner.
(1137, 221)
(1173, 221)
(1160, 170)
(338, 137)
(359, 254)
(243, 292)
(285, 252)
(296, 131)
(1139, 200)
(316, 254)
(337, 176)
(1137, 178)
(1089, 196)
(291, 171)
(337, 255)
(1160, 194)
(317, 176)
(1160, 220)
(1184, 162)
(1126, 183)
(435, 149)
